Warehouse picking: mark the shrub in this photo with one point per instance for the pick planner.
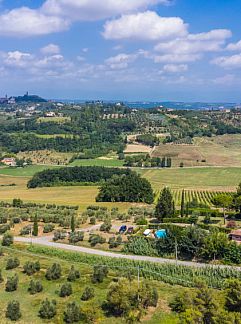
(65, 290)
(12, 263)
(12, 283)
(26, 230)
(76, 237)
(47, 309)
(73, 274)
(53, 272)
(72, 313)
(31, 268)
(48, 228)
(92, 220)
(35, 287)
(13, 311)
(1, 277)
(4, 228)
(59, 235)
(96, 239)
(88, 294)
(100, 272)
(106, 226)
(7, 239)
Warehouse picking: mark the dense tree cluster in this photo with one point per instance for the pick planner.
(73, 175)
(126, 188)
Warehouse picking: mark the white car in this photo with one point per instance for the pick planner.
(147, 232)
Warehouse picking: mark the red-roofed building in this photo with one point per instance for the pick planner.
(235, 235)
(9, 161)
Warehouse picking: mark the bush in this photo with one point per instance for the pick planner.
(59, 235)
(48, 228)
(88, 294)
(12, 263)
(7, 239)
(12, 283)
(96, 239)
(31, 268)
(53, 272)
(141, 221)
(13, 311)
(76, 237)
(73, 274)
(100, 272)
(47, 309)
(35, 287)
(106, 226)
(1, 277)
(113, 243)
(72, 313)
(65, 290)
(4, 228)
(92, 220)
(26, 230)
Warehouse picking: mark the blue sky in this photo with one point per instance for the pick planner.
(161, 50)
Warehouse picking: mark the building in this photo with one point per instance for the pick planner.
(235, 235)
(9, 161)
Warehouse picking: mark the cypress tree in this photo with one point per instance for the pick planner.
(183, 204)
(163, 162)
(165, 205)
(35, 226)
(72, 225)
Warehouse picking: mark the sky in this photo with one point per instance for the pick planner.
(135, 50)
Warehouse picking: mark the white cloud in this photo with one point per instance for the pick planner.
(24, 22)
(175, 68)
(120, 61)
(17, 59)
(230, 62)
(176, 58)
(50, 49)
(215, 34)
(225, 80)
(90, 10)
(234, 46)
(145, 26)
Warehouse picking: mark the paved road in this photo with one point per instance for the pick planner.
(46, 241)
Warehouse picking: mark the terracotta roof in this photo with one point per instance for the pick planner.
(236, 232)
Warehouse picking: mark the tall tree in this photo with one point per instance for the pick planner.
(72, 225)
(183, 204)
(224, 201)
(165, 206)
(35, 226)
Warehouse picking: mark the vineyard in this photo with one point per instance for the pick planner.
(204, 197)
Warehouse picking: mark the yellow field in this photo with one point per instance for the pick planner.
(81, 196)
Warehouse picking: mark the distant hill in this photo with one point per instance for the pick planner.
(29, 98)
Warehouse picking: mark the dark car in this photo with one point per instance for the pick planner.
(122, 229)
(130, 230)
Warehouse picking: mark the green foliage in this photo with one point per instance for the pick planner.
(164, 207)
(72, 313)
(140, 246)
(126, 188)
(7, 239)
(35, 226)
(96, 239)
(12, 283)
(100, 272)
(233, 295)
(75, 237)
(72, 224)
(59, 235)
(12, 263)
(73, 274)
(13, 311)
(106, 226)
(31, 268)
(47, 309)
(35, 287)
(48, 228)
(88, 294)
(53, 272)
(65, 290)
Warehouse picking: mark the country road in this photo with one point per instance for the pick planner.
(47, 241)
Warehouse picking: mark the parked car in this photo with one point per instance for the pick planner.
(130, 230)
(162, 233)
(147, 232)
(122, 229)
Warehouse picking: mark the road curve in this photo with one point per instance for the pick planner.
(46, 241)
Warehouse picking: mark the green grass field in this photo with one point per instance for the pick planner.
(98, 162)
(30, 303)
(27, 171)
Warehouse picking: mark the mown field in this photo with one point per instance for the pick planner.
(30, 304)
(98, 162)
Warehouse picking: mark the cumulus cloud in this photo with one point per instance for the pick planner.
(234, 46)
(51, 49)
(176, 58)
(229, 62)
(145, 26)
(17, 59)
(24, 22)
(175, 68)
(120, 61)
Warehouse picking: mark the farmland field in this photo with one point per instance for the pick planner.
(98, 162)
(30, 304)
(24, 172)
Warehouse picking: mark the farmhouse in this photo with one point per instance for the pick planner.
(236, 235)
(9, 161)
